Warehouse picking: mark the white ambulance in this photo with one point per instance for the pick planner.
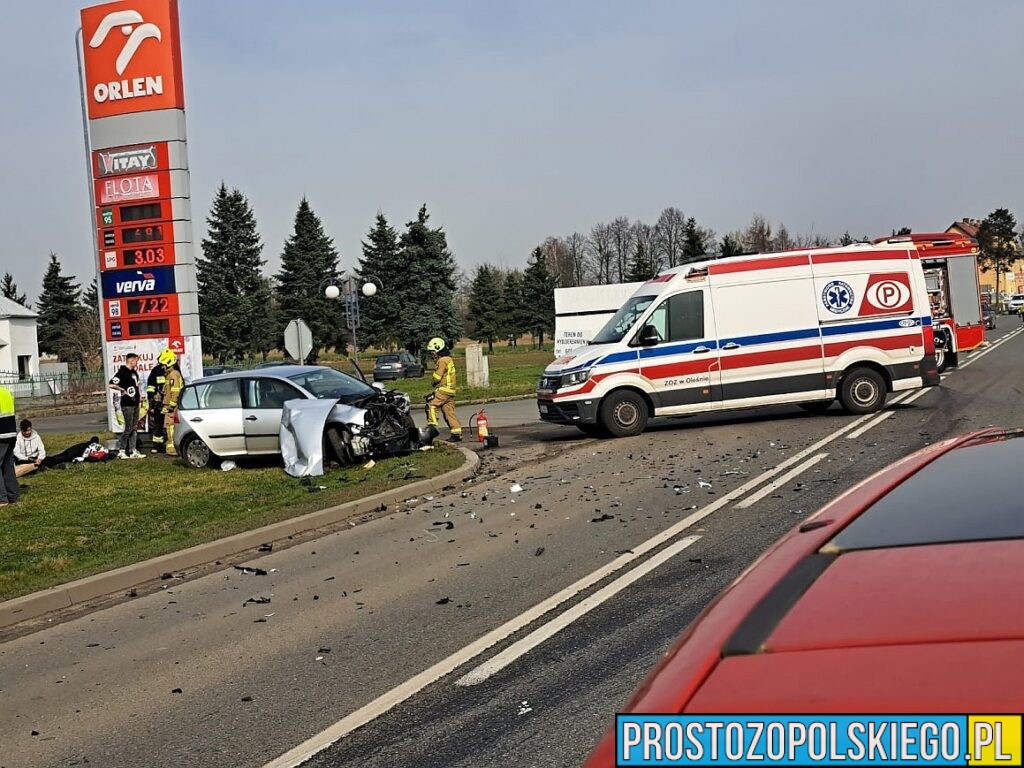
(804, 327)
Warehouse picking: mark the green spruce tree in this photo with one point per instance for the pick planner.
(425, 289)
(641, 266)
(59, 306)
(539, 292)
(381, 259)
(997, 238)
(485, 305)
(233, 293)
(514, 312)
(9, 290)
(91, 301)
(309, 262)
(730, 247)
(695, 242)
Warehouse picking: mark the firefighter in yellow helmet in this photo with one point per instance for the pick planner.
(443, 396)
(172, 389)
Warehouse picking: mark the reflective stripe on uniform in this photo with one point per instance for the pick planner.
(8, 423)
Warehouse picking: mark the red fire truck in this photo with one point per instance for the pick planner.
(950, 264)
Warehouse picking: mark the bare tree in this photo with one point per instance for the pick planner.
(576, 250)
(645, 237)
(556, 254)
(758, 235)
(622, 245)
(671, 230)
(782, 240)
(599, 247)
(80, 342)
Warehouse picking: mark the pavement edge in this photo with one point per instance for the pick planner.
(37, 604)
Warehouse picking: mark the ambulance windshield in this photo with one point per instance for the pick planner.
(623, 320)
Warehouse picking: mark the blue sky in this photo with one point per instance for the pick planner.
(518, 120)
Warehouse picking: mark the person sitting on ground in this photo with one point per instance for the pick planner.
(29, 451)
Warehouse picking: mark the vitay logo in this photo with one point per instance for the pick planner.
(137, 30)
(131, 56)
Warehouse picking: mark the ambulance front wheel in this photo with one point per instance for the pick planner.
(862, 391)
(623, 413)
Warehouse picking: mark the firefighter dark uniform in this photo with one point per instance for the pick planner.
(9, 489)
(154, 399)
(443, 397)
(172, 389)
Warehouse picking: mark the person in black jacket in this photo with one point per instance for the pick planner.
(126, 384)
(155, 398)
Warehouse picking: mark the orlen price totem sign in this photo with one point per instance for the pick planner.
(140, 183)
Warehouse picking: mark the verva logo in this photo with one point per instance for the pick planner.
(886, 294)
(132, 57)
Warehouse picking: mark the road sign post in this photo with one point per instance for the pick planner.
(298, 340)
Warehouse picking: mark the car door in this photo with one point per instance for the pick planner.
(264, 398)
(683, 366)
(215, 414)
(412, 367)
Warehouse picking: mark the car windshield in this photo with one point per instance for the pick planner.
(623, 320)
(329, 384)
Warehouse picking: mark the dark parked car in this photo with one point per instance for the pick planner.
(904, 596)
(400, 365)
(988, 316)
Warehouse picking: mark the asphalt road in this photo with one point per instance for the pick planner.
(193, 674)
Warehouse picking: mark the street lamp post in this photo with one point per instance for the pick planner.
(349, 296)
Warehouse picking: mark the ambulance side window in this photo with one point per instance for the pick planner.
(679, 317)
(686, 316)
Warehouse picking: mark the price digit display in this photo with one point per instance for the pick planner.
(140, 257)
(143, 234)
(158, 305)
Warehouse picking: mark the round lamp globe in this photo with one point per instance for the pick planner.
(332, 292)
(369, 289)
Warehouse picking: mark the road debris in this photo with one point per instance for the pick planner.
(602, 518)
(517, 488)
(525, 708)
(250, 570)
(261, 600)
(539, 552)
(443, 601)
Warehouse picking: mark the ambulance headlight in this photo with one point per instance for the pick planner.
(575, 378)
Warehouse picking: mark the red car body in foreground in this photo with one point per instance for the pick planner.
(904, 595)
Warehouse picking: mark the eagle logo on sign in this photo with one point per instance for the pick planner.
(837, 297)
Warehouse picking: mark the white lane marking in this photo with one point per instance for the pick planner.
(991, 348)
(414, 685)
(779, 482)
(873, 423)
(544, 632)
(920, 393)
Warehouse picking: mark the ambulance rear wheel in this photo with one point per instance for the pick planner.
(862, 391)
(941, 359)
(624, 413)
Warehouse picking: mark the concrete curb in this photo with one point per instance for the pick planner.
(63, 596)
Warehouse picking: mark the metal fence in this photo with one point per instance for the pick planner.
(55, 386)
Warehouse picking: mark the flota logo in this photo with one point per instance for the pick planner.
(137, 30)
(837, 297)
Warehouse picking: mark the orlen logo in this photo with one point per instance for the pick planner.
(132, 57)
(887, 293)
(145, 283)
(137, 31)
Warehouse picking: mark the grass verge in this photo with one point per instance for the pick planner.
(90, 518)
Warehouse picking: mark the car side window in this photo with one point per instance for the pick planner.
(680, 317)
(218, 394)
(189, 401)
(268, 393)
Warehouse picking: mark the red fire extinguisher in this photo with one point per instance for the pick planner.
(481, 426)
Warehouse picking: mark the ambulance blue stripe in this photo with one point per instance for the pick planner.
(759, 339)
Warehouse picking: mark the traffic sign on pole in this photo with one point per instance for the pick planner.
(298, 340)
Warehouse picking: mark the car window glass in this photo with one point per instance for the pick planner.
(387, 359)
(189, 401)
(268, 393)
(679, 317)
(219, 394)
(329, 384)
